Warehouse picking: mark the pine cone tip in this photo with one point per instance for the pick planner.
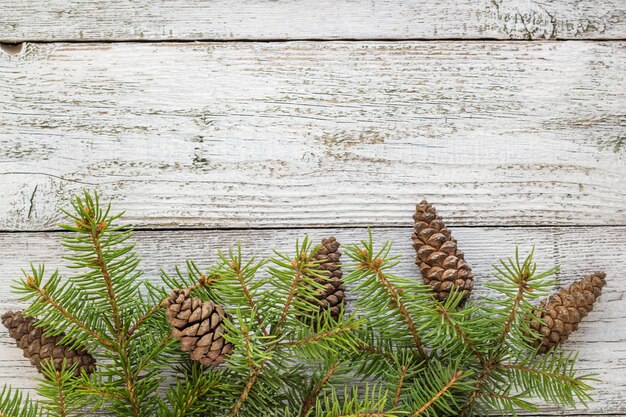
(442, 265)
(38, 347)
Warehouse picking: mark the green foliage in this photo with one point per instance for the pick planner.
(60, 390)
(396, 352)
(14, 404)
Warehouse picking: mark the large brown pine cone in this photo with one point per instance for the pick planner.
(563, 311)
(199, 326)
(332, 295)
(38, 347)
(443, 266)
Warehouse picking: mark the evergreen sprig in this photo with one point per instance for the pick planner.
(397, 351)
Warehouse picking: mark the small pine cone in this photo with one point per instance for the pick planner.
(443, 266)
(332, 295)
(199, 326)
(563, 311)
(38, 347)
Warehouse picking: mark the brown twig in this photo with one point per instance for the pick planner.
(316, 337)
(395, 297)
(248, 295)
(290, 295)
(61, 394)
(365, 348)
(438, 394)
(310, 399)
(46, 297)
(403, 371)
(446, 316)
(245, 392)
(106, 276)
(527, 369)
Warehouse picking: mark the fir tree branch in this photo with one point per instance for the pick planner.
(348, 328)
(95, 231)
(375, 267)
(129, 381)
(247, 294)
(475, 392)
(246, 391)
(374, 414)
(14, 404)
(512, 314)
(516, 277)
(293, 289)
(35, 285)
(435, 397)
(312, 397)
(62, 410)
(368, 349)
(528, 369)
(98, 392)
(248, 347)
(468, 342)
(141, 320)
(403, 372)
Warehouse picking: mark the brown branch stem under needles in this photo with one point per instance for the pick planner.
(106, 275)
(527, 369)
(475, 389)
(310, 399)
(512, 315)
(368, 349)
(488, 366)
(59, 383)
(316, 337)
(45, 297)
(248, 296)
(99, 392)
(395, 296)
(292, 293)
(246, 339)
(403, 372)
(446, 316)
(122, 337)
(245, 392)
(143, 318)
(438, 394)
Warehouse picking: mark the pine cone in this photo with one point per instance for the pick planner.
(332, 296)
(199, 327)
(38, 347)
(563, 311)
(443, 266)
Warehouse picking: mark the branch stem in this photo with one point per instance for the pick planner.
(310, 399)
(403, 372)
(438, 394)
(399, 304)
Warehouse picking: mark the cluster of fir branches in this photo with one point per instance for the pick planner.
(397, 352)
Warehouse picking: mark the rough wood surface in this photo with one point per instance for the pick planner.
(311, 19)
(601, 339)
(252, 134)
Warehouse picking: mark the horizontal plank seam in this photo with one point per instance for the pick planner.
(210, 229)
(311, 39)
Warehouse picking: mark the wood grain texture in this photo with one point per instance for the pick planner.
(307, 133)
(85, 20)
(601, 339)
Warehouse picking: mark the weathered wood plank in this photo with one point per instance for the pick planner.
(322, 19)
(307, 133)
(601, 339)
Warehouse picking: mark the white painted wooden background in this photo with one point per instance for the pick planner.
(211, 122)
